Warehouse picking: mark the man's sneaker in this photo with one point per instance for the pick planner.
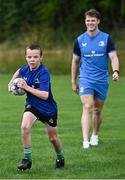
(25, 164)
(94, 140)
(85, 144)
(60, 163)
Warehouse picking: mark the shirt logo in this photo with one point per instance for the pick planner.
(93, 52)
(51, 120)
(81, 90)
(25, 78)
(37, 81)
(101, 43)
(84, 44)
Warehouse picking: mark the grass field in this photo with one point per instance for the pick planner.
(107, 161)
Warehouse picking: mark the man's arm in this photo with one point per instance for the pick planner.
(74, 73)
(115, 65)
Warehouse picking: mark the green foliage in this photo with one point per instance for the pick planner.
(54, 24)
(62, 19)
(58, 60)
(103, 162)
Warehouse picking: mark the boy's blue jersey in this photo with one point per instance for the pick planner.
(93, 52)
(39, 79)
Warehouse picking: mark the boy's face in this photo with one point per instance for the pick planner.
(33, 58)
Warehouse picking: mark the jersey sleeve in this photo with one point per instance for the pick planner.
(22, 70)
(76, 49)
(44, 81)
(110, 45)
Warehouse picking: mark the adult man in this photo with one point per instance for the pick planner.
(91, 54)
(40, 104)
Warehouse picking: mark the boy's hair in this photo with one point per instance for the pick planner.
(92, 13)
(34, 46)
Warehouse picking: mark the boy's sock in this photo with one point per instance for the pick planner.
(60, 155)
(27, 153)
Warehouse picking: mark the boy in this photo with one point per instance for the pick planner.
(40, 104)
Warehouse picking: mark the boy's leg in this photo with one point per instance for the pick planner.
(54, 139)
(27, 121)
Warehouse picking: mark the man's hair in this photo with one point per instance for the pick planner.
(92, 13)
(34, 46)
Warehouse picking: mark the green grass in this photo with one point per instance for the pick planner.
(103, 162)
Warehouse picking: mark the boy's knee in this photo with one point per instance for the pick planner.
(53, 139)
(24, 129)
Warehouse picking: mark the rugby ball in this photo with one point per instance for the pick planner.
(15, 89)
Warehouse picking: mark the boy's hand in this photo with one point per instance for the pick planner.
(22, 84)
(9, 87)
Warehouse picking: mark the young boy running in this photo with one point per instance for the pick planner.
(40, 104)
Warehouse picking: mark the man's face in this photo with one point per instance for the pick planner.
(33, 58)
(91, 23)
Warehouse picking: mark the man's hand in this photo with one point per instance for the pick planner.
(115, 76)
(75, 88)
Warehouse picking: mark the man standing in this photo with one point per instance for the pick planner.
(91, 54)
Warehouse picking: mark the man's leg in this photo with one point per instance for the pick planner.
(88, 103)
(97, 119)
(54, 139)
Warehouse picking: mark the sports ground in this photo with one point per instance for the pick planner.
(107, 161)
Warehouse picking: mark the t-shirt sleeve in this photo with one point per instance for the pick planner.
(20, 71)
(76, 49)
(110, 45)
(44, 81)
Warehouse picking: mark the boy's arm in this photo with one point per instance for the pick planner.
(15, 75)
(41, 94)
